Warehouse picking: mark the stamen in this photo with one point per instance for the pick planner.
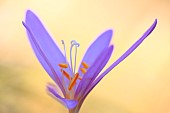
(66, 74)
(83, 70)
(63, 81)
(63, 65)
(73, 82)
(64, 50)
(85, 65)
(73, 43)
(80, 78)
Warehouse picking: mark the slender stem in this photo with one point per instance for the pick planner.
(75, 110)
(72, 111)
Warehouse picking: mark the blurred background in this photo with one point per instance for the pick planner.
(140, 84)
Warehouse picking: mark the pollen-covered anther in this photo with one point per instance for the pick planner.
(80, 78)
(63, 65)
(83, 70)
(85, 65)
(65, 74)
(73, 81)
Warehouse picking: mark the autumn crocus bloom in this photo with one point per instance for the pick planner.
(75, 86)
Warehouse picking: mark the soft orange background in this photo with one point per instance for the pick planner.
(140, 84)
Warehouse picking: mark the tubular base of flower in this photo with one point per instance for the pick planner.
(70, 104)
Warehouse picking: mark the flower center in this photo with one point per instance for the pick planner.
(65, 65)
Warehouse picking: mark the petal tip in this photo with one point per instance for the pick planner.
(152, 27)
(112, 46)
(156, 21)
(28, 12)
(30, 16)
(23, 23)
(109, 32)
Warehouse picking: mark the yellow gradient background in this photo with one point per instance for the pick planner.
(140, 84)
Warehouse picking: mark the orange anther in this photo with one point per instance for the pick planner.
(73, 81)
(80, 78)
(65, 74)
(85, 65)
(62, 65)
(83, 70)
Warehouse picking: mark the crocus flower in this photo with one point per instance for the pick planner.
(75, 86)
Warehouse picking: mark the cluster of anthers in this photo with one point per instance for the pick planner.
(63, 66)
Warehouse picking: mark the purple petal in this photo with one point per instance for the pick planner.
(93, 71)
(100, 44)
(45, 42)
(70, 104)
(44, 47)
(43, 59)
(127, 53)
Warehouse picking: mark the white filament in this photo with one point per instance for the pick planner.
(64, 50)
(73, 44)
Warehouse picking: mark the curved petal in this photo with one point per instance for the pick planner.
(93, 71)
(44, 40)
(43, 59)
(70, 104)
(100, 44)
(126, 54)
(44, 47)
